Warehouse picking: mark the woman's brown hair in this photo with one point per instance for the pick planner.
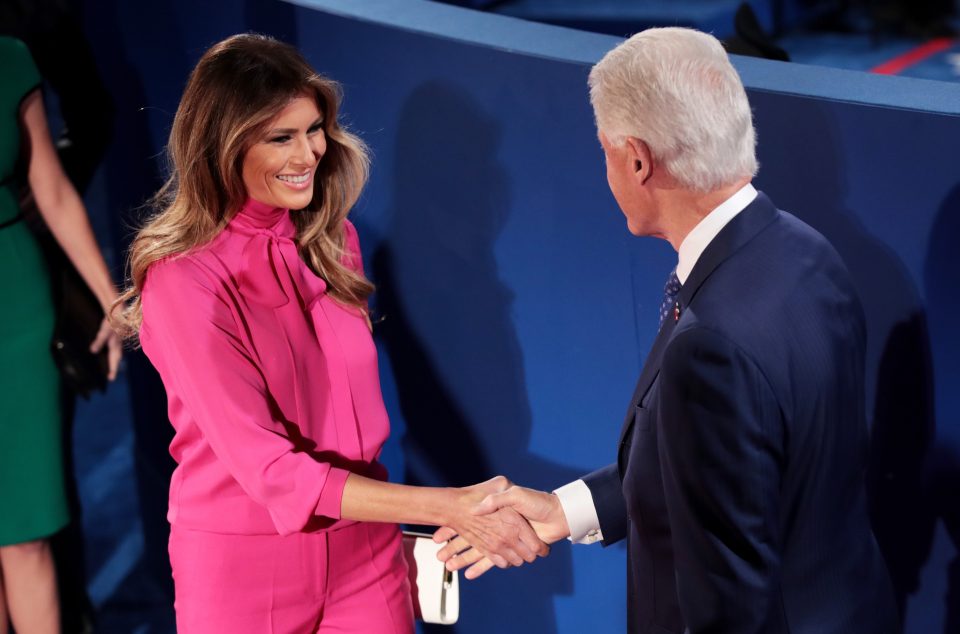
(236, 89)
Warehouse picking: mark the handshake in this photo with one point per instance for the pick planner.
(501, 525)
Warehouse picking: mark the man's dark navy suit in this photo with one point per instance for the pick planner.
(739, 481)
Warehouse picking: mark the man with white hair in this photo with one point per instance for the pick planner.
(739, 474)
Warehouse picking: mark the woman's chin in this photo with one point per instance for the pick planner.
(293, 200)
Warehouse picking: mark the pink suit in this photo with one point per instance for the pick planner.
(274, 393)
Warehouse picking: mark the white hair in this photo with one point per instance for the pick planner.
(675, 89)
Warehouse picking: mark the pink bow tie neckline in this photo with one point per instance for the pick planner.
(272, 271)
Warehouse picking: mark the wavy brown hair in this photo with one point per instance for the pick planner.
(236, 89)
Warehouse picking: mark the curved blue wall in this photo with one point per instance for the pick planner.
(516, 309)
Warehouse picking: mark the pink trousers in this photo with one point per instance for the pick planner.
(349, 580)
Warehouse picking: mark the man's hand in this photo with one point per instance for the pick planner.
(542, 510)
(501, 537)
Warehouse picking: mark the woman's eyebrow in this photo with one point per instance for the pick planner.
(293, 130)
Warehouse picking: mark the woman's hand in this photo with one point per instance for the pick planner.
(108, 337)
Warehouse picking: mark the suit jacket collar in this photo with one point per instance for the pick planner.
(740, 230)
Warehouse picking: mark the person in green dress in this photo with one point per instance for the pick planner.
(33, 503)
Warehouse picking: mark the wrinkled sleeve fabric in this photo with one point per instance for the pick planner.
(720, 450)
(191, 333)
(608, 501)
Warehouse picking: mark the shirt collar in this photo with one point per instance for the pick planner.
(256, 216)
(707, 229)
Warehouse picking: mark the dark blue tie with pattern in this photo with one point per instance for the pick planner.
(670, 292)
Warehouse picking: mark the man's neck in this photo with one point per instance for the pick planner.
(683, 210)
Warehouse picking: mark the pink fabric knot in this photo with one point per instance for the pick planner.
(272, 272)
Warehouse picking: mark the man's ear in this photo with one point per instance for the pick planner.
(642, 158)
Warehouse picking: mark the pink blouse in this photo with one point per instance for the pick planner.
(272, 386)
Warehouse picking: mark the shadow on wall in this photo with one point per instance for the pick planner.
(941, 282)
(132, 175)
(899, 377)
(447, 329)
(277, 19)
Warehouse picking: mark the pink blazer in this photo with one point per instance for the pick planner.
(272, 386)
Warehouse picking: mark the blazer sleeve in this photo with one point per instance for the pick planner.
(190, 334)
(607, 492)
(720, 450)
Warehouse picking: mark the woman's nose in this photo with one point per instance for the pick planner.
(307, 152)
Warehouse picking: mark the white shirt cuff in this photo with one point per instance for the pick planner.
(577, 504)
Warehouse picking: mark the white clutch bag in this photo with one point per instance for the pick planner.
(436, 590)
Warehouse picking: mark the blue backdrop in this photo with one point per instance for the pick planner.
(516, 309)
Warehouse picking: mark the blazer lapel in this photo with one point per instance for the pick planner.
(740, 230)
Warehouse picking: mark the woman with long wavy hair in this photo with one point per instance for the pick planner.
(248, 295)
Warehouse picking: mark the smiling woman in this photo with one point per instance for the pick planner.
(248, 295)
(279, 168)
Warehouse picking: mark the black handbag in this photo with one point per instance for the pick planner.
(78, 319)
(78, 316)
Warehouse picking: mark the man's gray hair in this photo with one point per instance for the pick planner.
(676, 89)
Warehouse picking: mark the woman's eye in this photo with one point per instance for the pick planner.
(315, 128)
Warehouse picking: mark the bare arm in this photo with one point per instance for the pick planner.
(63, 212)
(504, 536)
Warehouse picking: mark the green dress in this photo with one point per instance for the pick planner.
(32, 497)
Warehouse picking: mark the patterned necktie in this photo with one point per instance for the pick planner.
(670, 292)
